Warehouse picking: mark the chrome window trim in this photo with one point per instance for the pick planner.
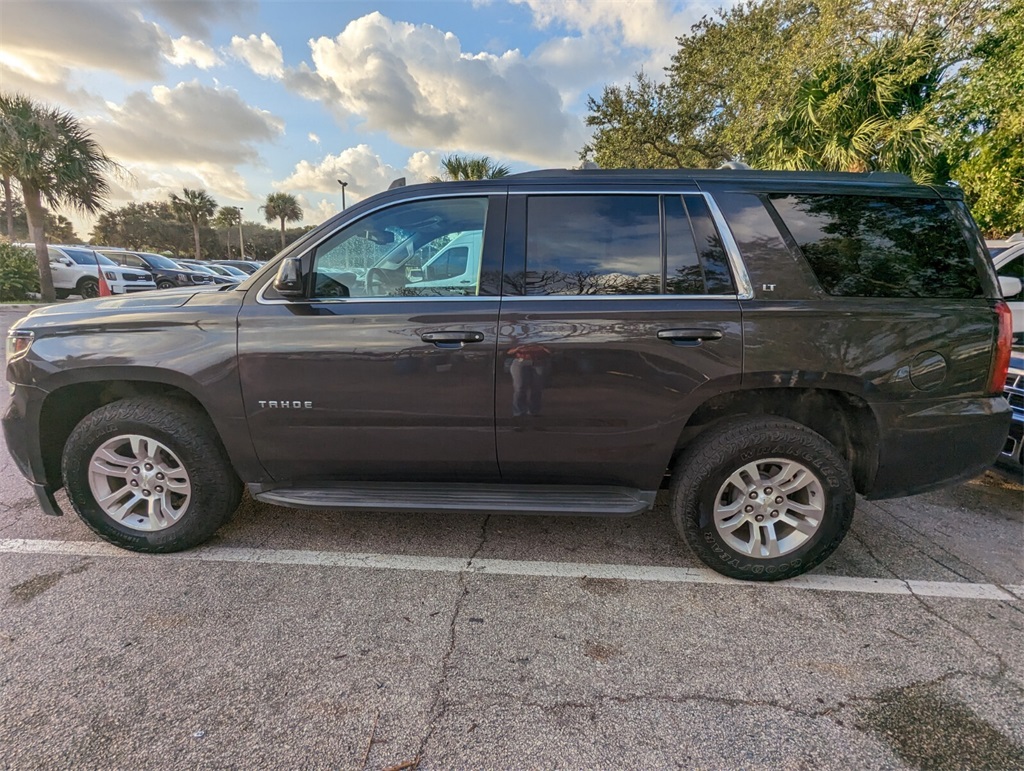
(740, 276)
(632, 297)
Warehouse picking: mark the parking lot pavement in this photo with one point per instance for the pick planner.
(376, 640)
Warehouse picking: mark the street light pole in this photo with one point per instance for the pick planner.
(241, 239)
(343, 186)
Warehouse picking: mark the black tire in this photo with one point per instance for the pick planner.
(88, 287)
(62, 294)
(189, 435)
(165, 284)
(699, 484)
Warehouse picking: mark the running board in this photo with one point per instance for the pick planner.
(572, 500)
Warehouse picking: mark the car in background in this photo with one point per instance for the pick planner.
(246, 266)
(206, 268)
(76, 270)
(1012, 456)
(1009, 263)
(229, 270)
(166, 272)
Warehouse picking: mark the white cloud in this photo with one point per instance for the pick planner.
(364, 171)
(261, 54)
(415, 83)
(52, 37)
(188, 129)
(195, 16)
(314, 138)
(185, 50)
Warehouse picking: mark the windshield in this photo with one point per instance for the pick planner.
(159, 261)
(200, 268)
(87, 257)
(231, 270)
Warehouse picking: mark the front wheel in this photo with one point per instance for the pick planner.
(762, 498)
(149, 474)
(89, 287)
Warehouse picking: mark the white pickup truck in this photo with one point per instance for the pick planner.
(76, 271)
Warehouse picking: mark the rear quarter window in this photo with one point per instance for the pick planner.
(863, 246)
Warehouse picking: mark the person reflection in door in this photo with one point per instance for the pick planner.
(529, 365)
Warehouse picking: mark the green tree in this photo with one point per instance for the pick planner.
(151, 226)
(792, 82)
(227, 218)
(283, 207)
(983, 110)
(54, 159)
(874, 111)
(58, 227)
(195, 207)
(459, 168)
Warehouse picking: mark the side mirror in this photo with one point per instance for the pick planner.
(1010, 286)
(289, 278)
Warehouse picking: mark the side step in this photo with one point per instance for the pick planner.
(571, 500)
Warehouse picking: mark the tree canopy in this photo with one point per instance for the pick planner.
(284, 207)
(930, 88)
(460, 168)
(195, 207)
(55, 161)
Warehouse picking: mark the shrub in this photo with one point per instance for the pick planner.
(19, 274)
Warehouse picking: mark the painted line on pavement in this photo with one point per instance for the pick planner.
(327, 559)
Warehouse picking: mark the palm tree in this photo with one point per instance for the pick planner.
(868, 113)
(54, 159)
(459, 168)
(284, 207)
(195, 206)
(227, 218)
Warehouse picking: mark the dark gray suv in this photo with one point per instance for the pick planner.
(764, 344)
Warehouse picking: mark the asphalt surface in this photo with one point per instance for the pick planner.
(500, 642)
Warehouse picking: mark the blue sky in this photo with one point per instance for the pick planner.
(246, 98)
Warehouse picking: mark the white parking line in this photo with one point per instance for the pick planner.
(958, 591)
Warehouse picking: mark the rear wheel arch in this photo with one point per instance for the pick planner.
(843, 419)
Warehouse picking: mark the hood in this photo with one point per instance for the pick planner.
(125, 303)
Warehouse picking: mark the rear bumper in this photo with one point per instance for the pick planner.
(926, 446)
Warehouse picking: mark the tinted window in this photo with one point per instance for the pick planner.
(593, 244)
(860, 246)
(419, 249)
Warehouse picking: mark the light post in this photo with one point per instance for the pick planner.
(241, 240)
(343, 186)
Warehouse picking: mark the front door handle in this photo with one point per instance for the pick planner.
(689, 337)
(454, 339)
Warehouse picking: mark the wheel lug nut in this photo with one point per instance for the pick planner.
(145, 493)
(135, 483)
(161, 476)
(779, 499)
(748, 509)
(767, 491)
(759, 517)
(159, 489)
(135, 469)
(753, 496)
(149, 467)
(775, 514)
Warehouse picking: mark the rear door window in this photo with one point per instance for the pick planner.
(862, 246)
(623, 245)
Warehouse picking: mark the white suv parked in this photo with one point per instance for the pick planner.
(1008, 258)
(76, 269)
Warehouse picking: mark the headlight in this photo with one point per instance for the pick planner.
(110, 275)
(18, 342)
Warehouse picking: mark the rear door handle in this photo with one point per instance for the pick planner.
(689, 337)
(452, 339)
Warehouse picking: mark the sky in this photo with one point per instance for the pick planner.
(246, 98)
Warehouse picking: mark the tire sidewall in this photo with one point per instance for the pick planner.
(192, 528)
(694, 506)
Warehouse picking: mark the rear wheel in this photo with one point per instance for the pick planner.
(762, 498)
(149, 474)
(165, 284)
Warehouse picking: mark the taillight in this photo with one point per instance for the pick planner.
(1001, 355)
